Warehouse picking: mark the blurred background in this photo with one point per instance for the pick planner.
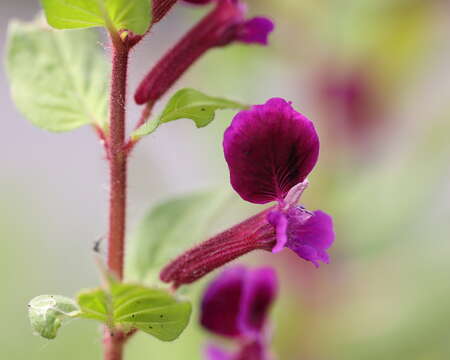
(373, 75)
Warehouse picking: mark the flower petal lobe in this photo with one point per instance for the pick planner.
(269, 149)
(256, 31)
(311, 238)
(260, 289)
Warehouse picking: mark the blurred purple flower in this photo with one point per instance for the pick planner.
(235, 305)
(225, 24)
(270, 150)
(352, 95)
(237, 301)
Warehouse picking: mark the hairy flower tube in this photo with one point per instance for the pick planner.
(162, 7)
(225, 24)
(235, 306)
(270, 150)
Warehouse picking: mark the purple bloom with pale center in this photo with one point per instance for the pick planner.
(235, 305)
(270, 150)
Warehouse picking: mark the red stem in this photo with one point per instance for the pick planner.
(113, 342)
(117, 159)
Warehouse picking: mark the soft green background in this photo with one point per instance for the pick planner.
(384, 177)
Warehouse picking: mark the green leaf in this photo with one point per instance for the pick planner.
(46, 313)
(94, 305)
(188, 104)
(58, 78)
(130, 306)
(134, 15)
(169, 228)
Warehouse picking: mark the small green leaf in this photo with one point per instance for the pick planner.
(188, 104)
(169, 228)
(46, 313)
(58, 78)
(130, 306)
(94, 305)
(134, 15)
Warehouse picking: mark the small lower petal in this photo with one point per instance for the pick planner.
(256, 30)
(308, 253)
(323, 256)
(310, 238)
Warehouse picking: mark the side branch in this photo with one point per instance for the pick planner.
(145, 115)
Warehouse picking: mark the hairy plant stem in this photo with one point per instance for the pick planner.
(113, 341)
(113, 344)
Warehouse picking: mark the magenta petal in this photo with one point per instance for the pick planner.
(256, 31)
(279, 221)
(308, 253)
(213, 352)
(311, 238)
(237, 302)
(221, 302)
(260, 290)
(269, 149)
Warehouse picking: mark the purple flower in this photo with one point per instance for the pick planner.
(270, 150)
(353, 99)
(225, 24)
(235, 305)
